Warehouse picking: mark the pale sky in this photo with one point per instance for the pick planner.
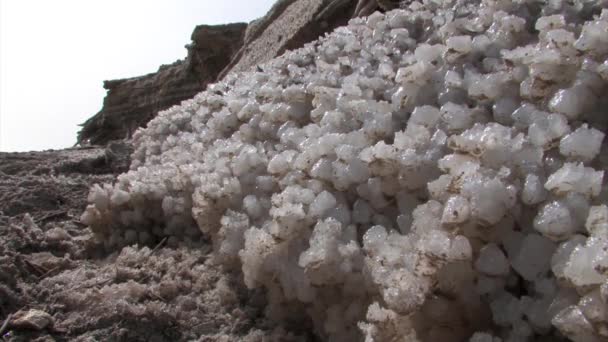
(55, 55)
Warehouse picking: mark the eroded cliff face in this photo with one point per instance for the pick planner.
(215, 51)
(132, 102)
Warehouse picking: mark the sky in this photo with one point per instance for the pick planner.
(55, 55)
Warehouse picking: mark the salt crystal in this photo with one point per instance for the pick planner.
(534, 257)
(555, 221)
(575, 177)
(583, 144)
(456, 210)
(492, 261)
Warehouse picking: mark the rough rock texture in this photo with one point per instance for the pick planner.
(57, 284)
(132, 102)
(289, 25)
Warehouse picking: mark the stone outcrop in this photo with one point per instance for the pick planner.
(132, 102)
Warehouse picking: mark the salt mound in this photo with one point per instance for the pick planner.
(435, 173)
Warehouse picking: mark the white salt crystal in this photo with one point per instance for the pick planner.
(427, 216)
(492, 261)
(545, 130)
(362, 212)
(374, 237)
(533, 191)
(429, 53)
(252, 206)
(604, 292)
(555, 221)
(461, 44)
(480, 43)
(416, 73)
(456, 117)
(460, 249)
(456, 210)
(570, 102)
(597, 220)
(435, 243)
(119, 197)
(562, 254)
(533, 258)
(575, 177)
(425, 115)
(280, 163)
(503, 108)
(397, 19)
(593, 37)
(587, 262)
(583, 144)
(99, 197)
(593, 307)
(550, 23)
(489, 200)
(322, 169)
(603, 70)
(404, 222)
(572, 322)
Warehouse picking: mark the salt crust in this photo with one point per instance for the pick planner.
(435, 173)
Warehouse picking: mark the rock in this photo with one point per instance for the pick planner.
(32, 319)
(288, 25)
(56, 234)
(130, 103)
(118, 155)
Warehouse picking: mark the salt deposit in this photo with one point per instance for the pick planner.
(435, 173)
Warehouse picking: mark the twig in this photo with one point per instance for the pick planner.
(5, 324)
(49, 272)
(38, 269)
(98, 285)
(77, 222)
(157, 296)
(51, 215)
(162, 242)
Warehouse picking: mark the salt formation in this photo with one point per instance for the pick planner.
(435, 174)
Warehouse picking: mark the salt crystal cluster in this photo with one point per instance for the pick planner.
(435, 173)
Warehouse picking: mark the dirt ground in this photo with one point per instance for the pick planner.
(58, 284)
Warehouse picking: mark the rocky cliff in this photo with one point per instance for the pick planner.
(215, 51)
